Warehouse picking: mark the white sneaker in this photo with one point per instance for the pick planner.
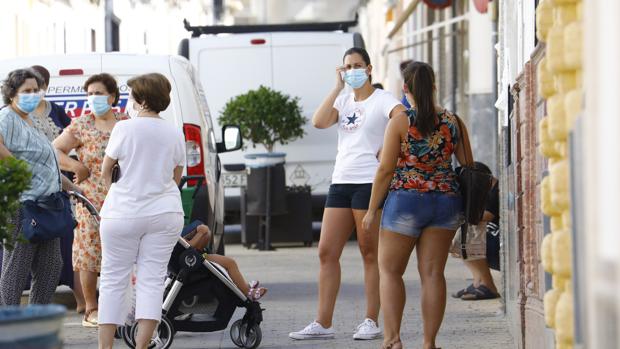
(367, 330)
(313, 331)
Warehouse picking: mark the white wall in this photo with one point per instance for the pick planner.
(601, 170)
(480, 52)
(37, 28)
(32, 28)
(157, 28)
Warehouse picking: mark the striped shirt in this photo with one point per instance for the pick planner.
(32, 146)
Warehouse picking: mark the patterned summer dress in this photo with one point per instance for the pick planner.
(86, 242)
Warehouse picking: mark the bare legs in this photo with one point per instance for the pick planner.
(368, 244)
(394, 252)
(78, 293)
(336, 229)
(145, 332)
(432, 252)
(233, 270)
(88, 281)
(106, 335)
(482, 274)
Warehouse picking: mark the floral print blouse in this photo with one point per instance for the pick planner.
(425, 164)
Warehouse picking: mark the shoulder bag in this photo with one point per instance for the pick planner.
(47, 218)
(474, 186)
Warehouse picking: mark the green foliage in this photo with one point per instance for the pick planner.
(14, 179)
(265, 117)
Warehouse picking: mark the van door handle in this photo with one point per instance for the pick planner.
(219, 169)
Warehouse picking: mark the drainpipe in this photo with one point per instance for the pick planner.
(454, 60)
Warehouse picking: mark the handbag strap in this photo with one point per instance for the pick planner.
(464, 139)
(469, 162)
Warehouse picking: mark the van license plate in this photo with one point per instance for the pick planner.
(235, 179)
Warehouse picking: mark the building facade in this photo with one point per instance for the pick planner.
(44, 27)
(560, 199)
(457, 41)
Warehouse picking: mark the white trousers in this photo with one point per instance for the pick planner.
(146, 242)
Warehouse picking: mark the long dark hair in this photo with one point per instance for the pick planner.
(363, 53)
(420, 80)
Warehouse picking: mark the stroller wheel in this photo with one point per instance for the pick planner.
(162, 338)
(251, 336)
(125, 332)
(235, 333)
(118, 334)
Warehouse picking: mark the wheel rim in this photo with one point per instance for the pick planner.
(162, 338)
(251, 337)
(235, 333)
(127, 332)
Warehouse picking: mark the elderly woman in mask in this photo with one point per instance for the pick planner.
(88, 135)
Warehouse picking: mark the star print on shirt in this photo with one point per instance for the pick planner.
(351, 119)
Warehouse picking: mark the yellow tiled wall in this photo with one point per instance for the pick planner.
(559, 26)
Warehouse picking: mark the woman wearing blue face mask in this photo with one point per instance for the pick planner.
(19, 138)
(89, 135)
(361, 117)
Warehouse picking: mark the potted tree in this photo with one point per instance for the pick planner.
(266, 117)
(34, 326)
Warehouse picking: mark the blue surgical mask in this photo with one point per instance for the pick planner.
(99, 104)
(356, 77)
(28, 102)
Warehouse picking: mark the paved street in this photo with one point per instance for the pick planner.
(291, 274)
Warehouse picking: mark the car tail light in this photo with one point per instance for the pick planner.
(194, 152)
(258, 41)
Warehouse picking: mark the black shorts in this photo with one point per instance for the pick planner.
(354, 196)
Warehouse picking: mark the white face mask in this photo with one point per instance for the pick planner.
(130, 109)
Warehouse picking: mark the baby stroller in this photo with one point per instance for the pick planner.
(190, 277)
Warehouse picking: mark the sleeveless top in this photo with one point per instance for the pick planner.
(425, 164)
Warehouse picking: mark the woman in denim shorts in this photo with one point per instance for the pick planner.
(423, 208)
(361, 116)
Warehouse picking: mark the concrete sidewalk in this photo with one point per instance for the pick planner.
(291, 276)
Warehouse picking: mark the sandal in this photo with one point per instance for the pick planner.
(91, 318)
(256, 292)
(467, 290)
(480, 293)
(393, 345)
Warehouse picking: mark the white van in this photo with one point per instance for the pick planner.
(188, 109)
(300, 64)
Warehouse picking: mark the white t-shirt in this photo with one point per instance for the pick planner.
(148, 150)
(361, 127)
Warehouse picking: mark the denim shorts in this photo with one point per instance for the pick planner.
(409, 212)
(354, 196)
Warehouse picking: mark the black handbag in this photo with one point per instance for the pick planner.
(48, 218)
(474, 185)
(116, 172)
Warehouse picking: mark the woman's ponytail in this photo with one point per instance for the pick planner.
(420, 80)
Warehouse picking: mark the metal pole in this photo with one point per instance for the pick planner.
(454, 61)
(267, 241)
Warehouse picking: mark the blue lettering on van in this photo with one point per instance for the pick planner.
(76, 105)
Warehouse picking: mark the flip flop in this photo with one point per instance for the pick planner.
(480, 293)
(393, 345)
(467, 290)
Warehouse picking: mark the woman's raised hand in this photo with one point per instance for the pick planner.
(340, 77)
